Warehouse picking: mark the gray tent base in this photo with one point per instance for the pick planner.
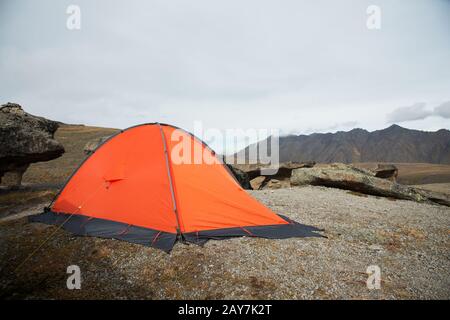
(88, 226)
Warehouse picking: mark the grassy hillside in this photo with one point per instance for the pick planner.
(73, 138)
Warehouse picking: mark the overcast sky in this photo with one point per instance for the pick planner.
(300, 66)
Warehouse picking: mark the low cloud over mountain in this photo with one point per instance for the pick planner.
(418, 111)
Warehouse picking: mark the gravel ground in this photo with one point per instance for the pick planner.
(407, 240)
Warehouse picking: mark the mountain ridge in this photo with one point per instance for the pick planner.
(391, 144)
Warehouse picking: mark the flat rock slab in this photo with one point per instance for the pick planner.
(347, 177)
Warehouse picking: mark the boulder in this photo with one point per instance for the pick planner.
(273, 184)
(267, 178)
(24, 139)
(241, 176)
(12, 175)
(266, 182)
(350, 178)
(257, 182)
(261, 176)
(386, 171)
(93, 144)
(283, 172)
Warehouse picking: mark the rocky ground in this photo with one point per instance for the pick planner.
(409, 241)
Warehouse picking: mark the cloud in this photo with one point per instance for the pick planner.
(443, 110)
(230, 65)
(418, 112)
(409, 113)
(338, 126)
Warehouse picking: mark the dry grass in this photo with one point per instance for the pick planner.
(42, 180)
(73, 138)
(436, 187)
(15, 201)
(408, 240)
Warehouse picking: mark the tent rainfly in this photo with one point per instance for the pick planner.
(131, 189)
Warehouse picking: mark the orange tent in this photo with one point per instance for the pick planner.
(146, 185)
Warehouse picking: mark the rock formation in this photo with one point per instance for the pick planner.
(93, 144)
(241, 176)
(24, 139)
(260, 176)
(386, 171)
(284, 170)
(350, 178)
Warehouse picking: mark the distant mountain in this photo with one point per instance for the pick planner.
(393, 144)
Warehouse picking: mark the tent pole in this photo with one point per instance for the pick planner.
(169, 174)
